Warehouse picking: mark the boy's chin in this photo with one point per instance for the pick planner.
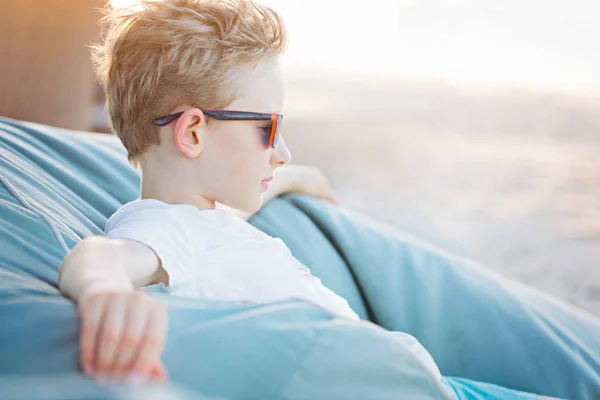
(252, 207)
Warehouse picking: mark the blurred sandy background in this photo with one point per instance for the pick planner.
(509, 178)
(473, 124)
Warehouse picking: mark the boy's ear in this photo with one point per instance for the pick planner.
(187, 132)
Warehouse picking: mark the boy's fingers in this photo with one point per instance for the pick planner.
(329, 197)
(137, 315)
(152, 343)
(159, 372)
(110, 334)
(91, 311)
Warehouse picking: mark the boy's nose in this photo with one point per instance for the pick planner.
(281, 154)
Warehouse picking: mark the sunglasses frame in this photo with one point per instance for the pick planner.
(230, 115)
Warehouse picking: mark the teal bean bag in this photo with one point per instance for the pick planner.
(491, 338)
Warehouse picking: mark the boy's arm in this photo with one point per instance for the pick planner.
(123, 330)
(98, 263)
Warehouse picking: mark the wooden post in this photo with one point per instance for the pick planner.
(46, 74)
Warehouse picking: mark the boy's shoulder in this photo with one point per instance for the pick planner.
(206, 229)
(146, 210)
(155, 213)
(139, 206)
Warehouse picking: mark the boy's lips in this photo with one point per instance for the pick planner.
(265, 183)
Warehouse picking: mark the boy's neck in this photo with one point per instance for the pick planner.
(170, 190)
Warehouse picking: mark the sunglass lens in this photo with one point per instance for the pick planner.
(277, 133)
(266, 136)
(276, 137)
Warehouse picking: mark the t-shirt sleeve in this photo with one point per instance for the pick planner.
(164, 231)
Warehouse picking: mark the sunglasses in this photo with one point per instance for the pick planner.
(270, 138)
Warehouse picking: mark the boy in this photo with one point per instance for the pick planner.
(195, 93)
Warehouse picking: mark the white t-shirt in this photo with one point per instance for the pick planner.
(214, 255)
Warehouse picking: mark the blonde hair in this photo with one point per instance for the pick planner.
(172, 52)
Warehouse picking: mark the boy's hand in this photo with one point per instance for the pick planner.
(123, 333)
(306, 180)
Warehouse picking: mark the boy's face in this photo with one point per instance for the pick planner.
(234, 163)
